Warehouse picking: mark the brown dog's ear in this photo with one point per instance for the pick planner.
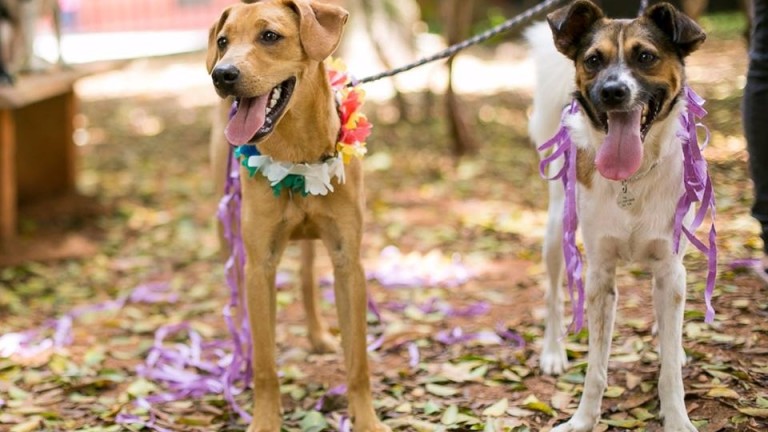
(682, 30)
(570, 23)
(213, 49)
(320, 27)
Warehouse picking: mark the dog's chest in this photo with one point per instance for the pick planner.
(635, 219)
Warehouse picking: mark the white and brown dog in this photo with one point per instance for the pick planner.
(628, 79)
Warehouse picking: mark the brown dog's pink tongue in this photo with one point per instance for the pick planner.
(622, 151)
(248, 119)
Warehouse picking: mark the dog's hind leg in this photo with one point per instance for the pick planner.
(321, 339)
(554, 359)
(601, 311)
(669, 302)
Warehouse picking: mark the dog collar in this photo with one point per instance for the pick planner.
(316, 178)
(697, 189)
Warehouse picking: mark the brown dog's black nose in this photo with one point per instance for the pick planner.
(614, 94)
(225, 76)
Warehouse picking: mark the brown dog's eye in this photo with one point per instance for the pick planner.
(269, 37)
(646, 58)
(593, 62)
(222, 42)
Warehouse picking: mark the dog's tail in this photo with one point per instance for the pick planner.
(554, 83)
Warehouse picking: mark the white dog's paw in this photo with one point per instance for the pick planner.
(575, 425)
(553, 361)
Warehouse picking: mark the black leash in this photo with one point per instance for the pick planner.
(510, 24)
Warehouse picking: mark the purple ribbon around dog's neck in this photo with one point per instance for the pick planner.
(563, 147)
(698, 189)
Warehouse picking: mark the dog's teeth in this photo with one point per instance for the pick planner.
(277, 93)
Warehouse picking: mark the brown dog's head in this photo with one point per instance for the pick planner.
(259, 53)
(629, 73)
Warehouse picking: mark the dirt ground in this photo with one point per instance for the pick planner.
(148, 217)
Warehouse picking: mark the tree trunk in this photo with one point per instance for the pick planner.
(458, 21)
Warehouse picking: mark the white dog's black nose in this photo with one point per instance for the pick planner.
(225, 76)
(614, 94)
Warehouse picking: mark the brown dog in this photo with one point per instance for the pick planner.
(269, 56)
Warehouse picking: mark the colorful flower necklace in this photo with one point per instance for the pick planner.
(698, 189)
(316, 178)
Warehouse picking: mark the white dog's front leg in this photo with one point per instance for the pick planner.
(601, 310)
(669, 301)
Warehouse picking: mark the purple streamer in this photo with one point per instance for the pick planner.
(562, 146)
(334, 392)
(745, 263)
(240, 368)
(30, 343)
(396, 270)
(345, 425)
(414, 355)
(698, 191)
(458, 336)
(153, 292)
(510, 336)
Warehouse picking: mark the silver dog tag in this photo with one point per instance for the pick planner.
(625, 199)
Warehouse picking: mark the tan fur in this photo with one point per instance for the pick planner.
(585, 167)
(306, 132)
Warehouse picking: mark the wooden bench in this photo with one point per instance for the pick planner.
(38, 158)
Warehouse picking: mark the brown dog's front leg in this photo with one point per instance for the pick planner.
(263, 254)
(352, 306)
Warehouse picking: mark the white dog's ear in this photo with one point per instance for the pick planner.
(213, 49)
(681, 29)
(320, 27)
(571, 23)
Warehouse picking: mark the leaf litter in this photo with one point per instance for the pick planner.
(458, 301)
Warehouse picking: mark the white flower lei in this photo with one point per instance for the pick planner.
(317, 176)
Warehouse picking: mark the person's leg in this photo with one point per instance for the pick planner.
(756, 117)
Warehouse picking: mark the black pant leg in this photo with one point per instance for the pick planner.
(755, 112)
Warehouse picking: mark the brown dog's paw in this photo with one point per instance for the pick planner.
(324, 343)
(263, 428)
(265, 423)
(375, 427)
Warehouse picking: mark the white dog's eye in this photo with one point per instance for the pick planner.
(222, 42)
(646, 58)
(270, 37)
(593, 62)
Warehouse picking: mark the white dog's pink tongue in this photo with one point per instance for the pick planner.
(248, 119)
(622, 151)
